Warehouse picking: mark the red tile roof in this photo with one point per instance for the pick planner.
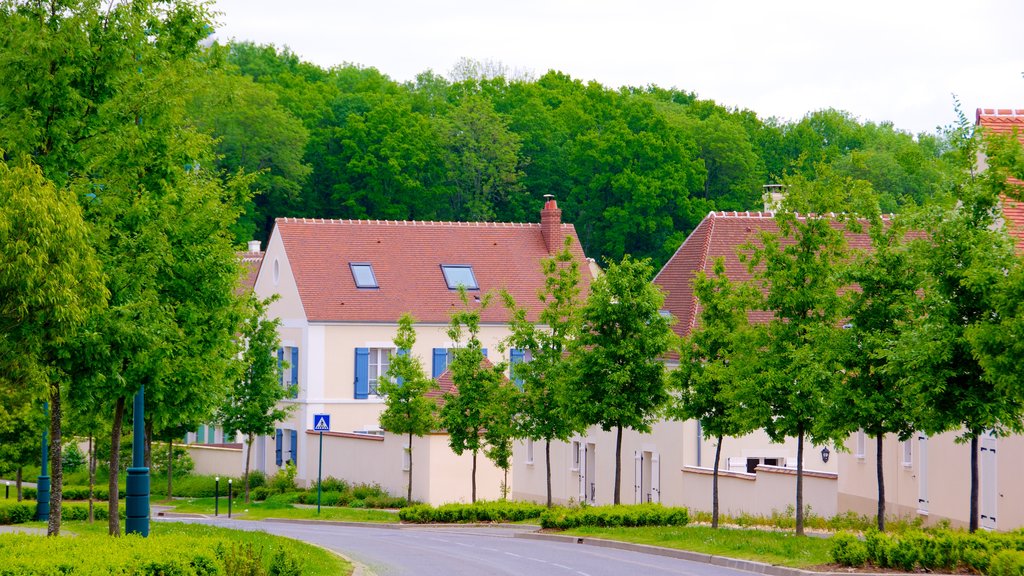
(446, 385)
(1007, 121)
(720, 234)
(407, 258)
(251, 262)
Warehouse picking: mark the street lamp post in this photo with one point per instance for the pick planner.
(216, 496)
(137, 497)
(229, 496)
(43, 481)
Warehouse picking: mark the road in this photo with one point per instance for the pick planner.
(456, 551)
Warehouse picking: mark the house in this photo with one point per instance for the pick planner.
(343, 285)
(920, 482)
(673, 463)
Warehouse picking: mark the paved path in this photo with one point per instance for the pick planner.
(465, 551)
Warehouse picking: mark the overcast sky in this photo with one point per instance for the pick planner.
(894, 60)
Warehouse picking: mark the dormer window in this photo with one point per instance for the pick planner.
(363, 275)
(456, 275)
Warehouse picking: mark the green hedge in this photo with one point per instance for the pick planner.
(612, 516)
(16, 512)
(945, 550)
(20, 512)
(351, 498)
(177, 555)
(77, 493)
(479, 512)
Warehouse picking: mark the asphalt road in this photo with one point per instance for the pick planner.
(469, 551)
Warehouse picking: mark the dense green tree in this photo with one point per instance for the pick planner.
(715, 361)
(407, 409)
(544, 408)
(50, 282)
(619, 378)
(798, 272)
(252, 406)
(469, 409)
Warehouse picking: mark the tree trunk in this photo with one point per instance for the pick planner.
(408, 492)
(974, 483)
(56, 464)
(618, 464)
(547, 460)
(17, 483)
(504, 485)
(248, 458)
(148, 453)
(879, 438)
(800, 482)
(92, 478)
(714, 484)
(474, 477)
(170, 471)
(113, 518)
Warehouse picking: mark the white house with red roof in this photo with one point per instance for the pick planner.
(343, 284)
(928, 477)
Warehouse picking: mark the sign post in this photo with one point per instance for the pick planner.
(321, 423)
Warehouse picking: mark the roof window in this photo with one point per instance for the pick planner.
(363, 275)
(459, 275)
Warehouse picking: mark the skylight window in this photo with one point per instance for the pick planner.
(363, 275)
(459, 275)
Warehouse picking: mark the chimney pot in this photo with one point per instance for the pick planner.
(254, 246)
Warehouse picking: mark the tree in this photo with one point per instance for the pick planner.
(50, 282)
(407, 409)
(714, 361)
(797, 271)
(252, 407)
(619, 376)
(544, 407)
(468, 410)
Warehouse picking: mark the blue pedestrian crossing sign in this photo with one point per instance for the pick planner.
(321, 422)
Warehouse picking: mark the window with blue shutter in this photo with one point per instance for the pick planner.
(278, 441)
(516, 357)
(440, 362)
(280, 365)
(295, 371)
(294, 454)
(484, 350)
(401, 352)
(362, 378)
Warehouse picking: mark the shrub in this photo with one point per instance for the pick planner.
(934, 549)
(244, 560)
(72, 458)
(284, 564)
(847, 550)
(16, 512)
(284, 480)
(364, 491)
(612, 516)
(1007, 563)
(181, 464)
(479, 512)
(332, 484)
(28, 493)
(259, 493)
(257, 479)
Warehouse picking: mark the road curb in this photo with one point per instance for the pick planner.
(396, 525)
(745, 565)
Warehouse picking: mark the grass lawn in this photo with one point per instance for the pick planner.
(781, 548)
(314, 561)
(261, 510)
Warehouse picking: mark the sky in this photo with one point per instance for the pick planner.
(898, 61)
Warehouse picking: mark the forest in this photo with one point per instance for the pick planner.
(635, 169)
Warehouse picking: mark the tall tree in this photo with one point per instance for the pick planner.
(468, 410)
(798, 273)
(407, 409)
(50, 282)
(714, 361)
(541, 348)
(619, 378)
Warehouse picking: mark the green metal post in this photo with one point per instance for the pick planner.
(319, 470)
(137, 498)
(43, 482)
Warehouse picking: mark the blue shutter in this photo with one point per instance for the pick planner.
(200, 434)
(401, 352)
(516, 357)
(280, 365)
(484, 350)
(278, 441)
(440, 361)
(362, 382)
(294, 458)
(295, 371)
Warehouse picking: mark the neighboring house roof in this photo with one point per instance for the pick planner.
(720, 234)
(1007, 121)
(251, 261)
(407, 256)
(446, 385)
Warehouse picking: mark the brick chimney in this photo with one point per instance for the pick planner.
(551, 225)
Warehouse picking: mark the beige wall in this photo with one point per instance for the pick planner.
(943, 482)
(439, 476)
(771, 489)
(217, 461)
(675, 444)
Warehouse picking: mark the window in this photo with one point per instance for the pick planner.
(277, 272)
(861, 441)
(575, 455)
(363, 275)
(441, 358)
(529, 451)
(753, 463)
(459, 275)
(908, 454)
(380, 360)
(407, 456)
(289, 375)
